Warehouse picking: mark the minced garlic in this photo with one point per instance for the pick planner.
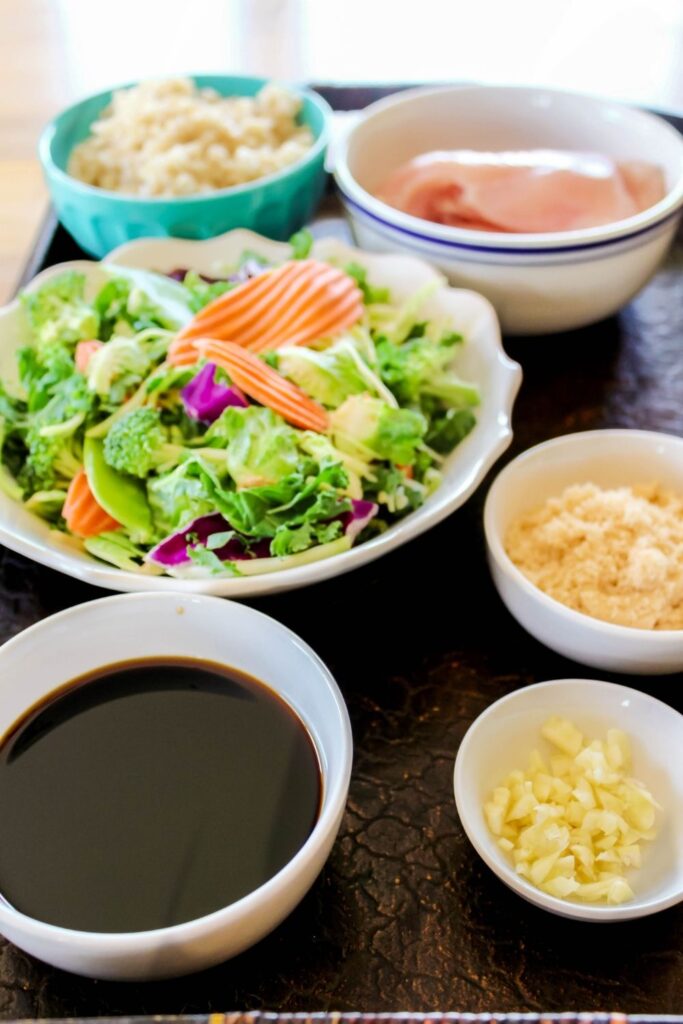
(573, 826)
(614, 554)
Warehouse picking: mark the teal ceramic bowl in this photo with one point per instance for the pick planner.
(99, 220)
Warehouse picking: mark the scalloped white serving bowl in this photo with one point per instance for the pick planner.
(482, 359)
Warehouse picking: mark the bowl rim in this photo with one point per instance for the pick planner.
(508, 242)
(53, 127)
(600, 913)
(496, 549)
(334, 795)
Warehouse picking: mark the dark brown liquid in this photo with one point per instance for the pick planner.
(151, 793)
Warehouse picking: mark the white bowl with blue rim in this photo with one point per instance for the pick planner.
(538, 282)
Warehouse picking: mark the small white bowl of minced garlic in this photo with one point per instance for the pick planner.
(570, 791)
(585, 545)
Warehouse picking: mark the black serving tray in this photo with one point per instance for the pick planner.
(405, 914)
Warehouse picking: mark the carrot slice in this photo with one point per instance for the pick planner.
(245, 307)
(84, 517)
(183, 351)
(267, 313)
(265, 385)
(244, 297)
(241, 301)
(85, 350)
(297, 303)
(319, 319)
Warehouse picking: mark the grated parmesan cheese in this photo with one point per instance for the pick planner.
(616, 555)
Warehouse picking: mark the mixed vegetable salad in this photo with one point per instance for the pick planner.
(193, 426)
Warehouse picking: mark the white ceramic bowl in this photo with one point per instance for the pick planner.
(502, 738)
(538, 283)
(608, 458)
(482, 359)
(113, 629)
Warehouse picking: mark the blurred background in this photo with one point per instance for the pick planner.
(54, 51)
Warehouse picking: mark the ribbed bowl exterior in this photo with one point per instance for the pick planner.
(99, 220)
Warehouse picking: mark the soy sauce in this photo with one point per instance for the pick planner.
(152, 792)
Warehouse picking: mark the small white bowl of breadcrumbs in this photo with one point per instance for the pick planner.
(585, 545)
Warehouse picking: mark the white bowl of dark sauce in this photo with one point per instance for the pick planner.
(173, 773)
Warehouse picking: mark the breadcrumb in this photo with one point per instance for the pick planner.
(616, 554)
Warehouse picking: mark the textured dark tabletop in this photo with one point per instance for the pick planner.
(405, 916)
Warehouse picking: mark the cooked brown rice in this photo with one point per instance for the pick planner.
(169, 138)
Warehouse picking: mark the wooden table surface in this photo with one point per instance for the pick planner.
(55, 51)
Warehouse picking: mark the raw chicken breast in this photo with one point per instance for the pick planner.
(532, 190)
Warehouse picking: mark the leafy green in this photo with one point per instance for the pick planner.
(42, 371)
(12, 409)
(202, 292)
(313, 495)
(329, 376)
(404, 322)
(320, 447)
(66, 409)
(449, 428)
(58, 312)
(43, 433)
(169, 377)
(218, 540)
(367, 424)
(360, 276)
(260, 447)
(301, 243)
(119, 366)
(289, 540)
(52, 452)
(390, 487)
(180, 496)
(419, 367)
(202, 555)
(123, 307)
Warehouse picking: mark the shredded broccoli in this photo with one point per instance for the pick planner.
(360, 276)
(49, 461)
(123, 362)
(124, 309)
(58, 312)
(363, 424)
(419, 367)
(202, 292)
(138, 443)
